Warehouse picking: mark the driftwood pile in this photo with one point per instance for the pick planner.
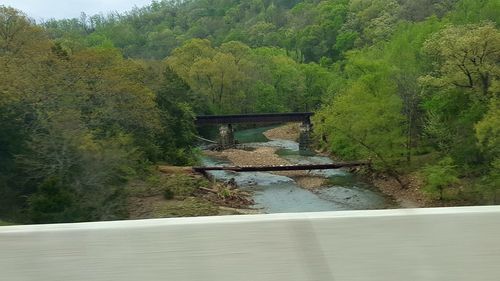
(226, 194)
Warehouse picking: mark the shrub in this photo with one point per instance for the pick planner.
(440, 176)
(168, 194)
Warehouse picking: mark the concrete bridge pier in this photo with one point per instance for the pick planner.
(226, 136)
(305, 138)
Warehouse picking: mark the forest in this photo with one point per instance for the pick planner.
(88, 105)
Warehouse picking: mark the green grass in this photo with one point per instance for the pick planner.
(189, 207)
(183, 203)
(180, 185)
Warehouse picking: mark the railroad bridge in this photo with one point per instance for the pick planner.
(226, 131)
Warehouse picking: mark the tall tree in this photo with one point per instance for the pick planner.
(465, 57)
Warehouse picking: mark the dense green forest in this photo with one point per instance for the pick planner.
(88, 104)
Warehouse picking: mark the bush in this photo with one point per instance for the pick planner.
(51, 203)
(440, 176)
(168, 194)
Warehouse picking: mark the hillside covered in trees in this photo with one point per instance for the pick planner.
(89, 104)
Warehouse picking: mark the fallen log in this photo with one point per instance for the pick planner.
(283, 167)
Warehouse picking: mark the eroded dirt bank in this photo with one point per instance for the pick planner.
(409, 197)
(179, 192)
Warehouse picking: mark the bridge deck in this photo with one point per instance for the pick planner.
(254, 118)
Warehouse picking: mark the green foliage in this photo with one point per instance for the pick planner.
(190, 207)
(184, 185)
(475, 11)
(459, 89)
(488, 130)
(465, 57)
(80, 121)
(4, 223)
(51, 203)
(178, 184)
(440, 176)
(86, 105)
(236, 79)
(177, 104)
(417, 10)
(486, 189)
(314, 29)
(371, 129)
(433, 83)
(168, 194)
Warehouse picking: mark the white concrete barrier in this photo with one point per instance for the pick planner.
(412, 244)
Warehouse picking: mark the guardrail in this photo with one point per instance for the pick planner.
(410, 244)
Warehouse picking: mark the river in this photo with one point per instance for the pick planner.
(281, 194)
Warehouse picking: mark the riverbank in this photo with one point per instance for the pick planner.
(410, 197)
(178, 192)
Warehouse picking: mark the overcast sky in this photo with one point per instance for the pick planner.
(59, 9)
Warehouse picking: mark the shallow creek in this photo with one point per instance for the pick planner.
(281, 194)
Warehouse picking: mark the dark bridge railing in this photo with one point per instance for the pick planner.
(254, 118)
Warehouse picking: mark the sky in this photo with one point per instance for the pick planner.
(60, 9)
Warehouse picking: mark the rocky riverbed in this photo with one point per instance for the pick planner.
(294, 191)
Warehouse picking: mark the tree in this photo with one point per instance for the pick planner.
(374, 21)
(18, 34)
(488, 130)
(461, 85)
(175, 101)
(466, 57)
(262, 34)
(488, 136)
(184, 57)
(418, 10)
(439, 177)
(218, 78)
(403, 52)
(364, 121)
(317, 80)
(475, 11)
(73, 174)
(77, 124)
(27, 66)
(288, 82)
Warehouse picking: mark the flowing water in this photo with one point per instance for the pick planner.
(280, 194)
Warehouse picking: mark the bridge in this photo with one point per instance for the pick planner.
(459, 244)
(255, 118)
(226, 131)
